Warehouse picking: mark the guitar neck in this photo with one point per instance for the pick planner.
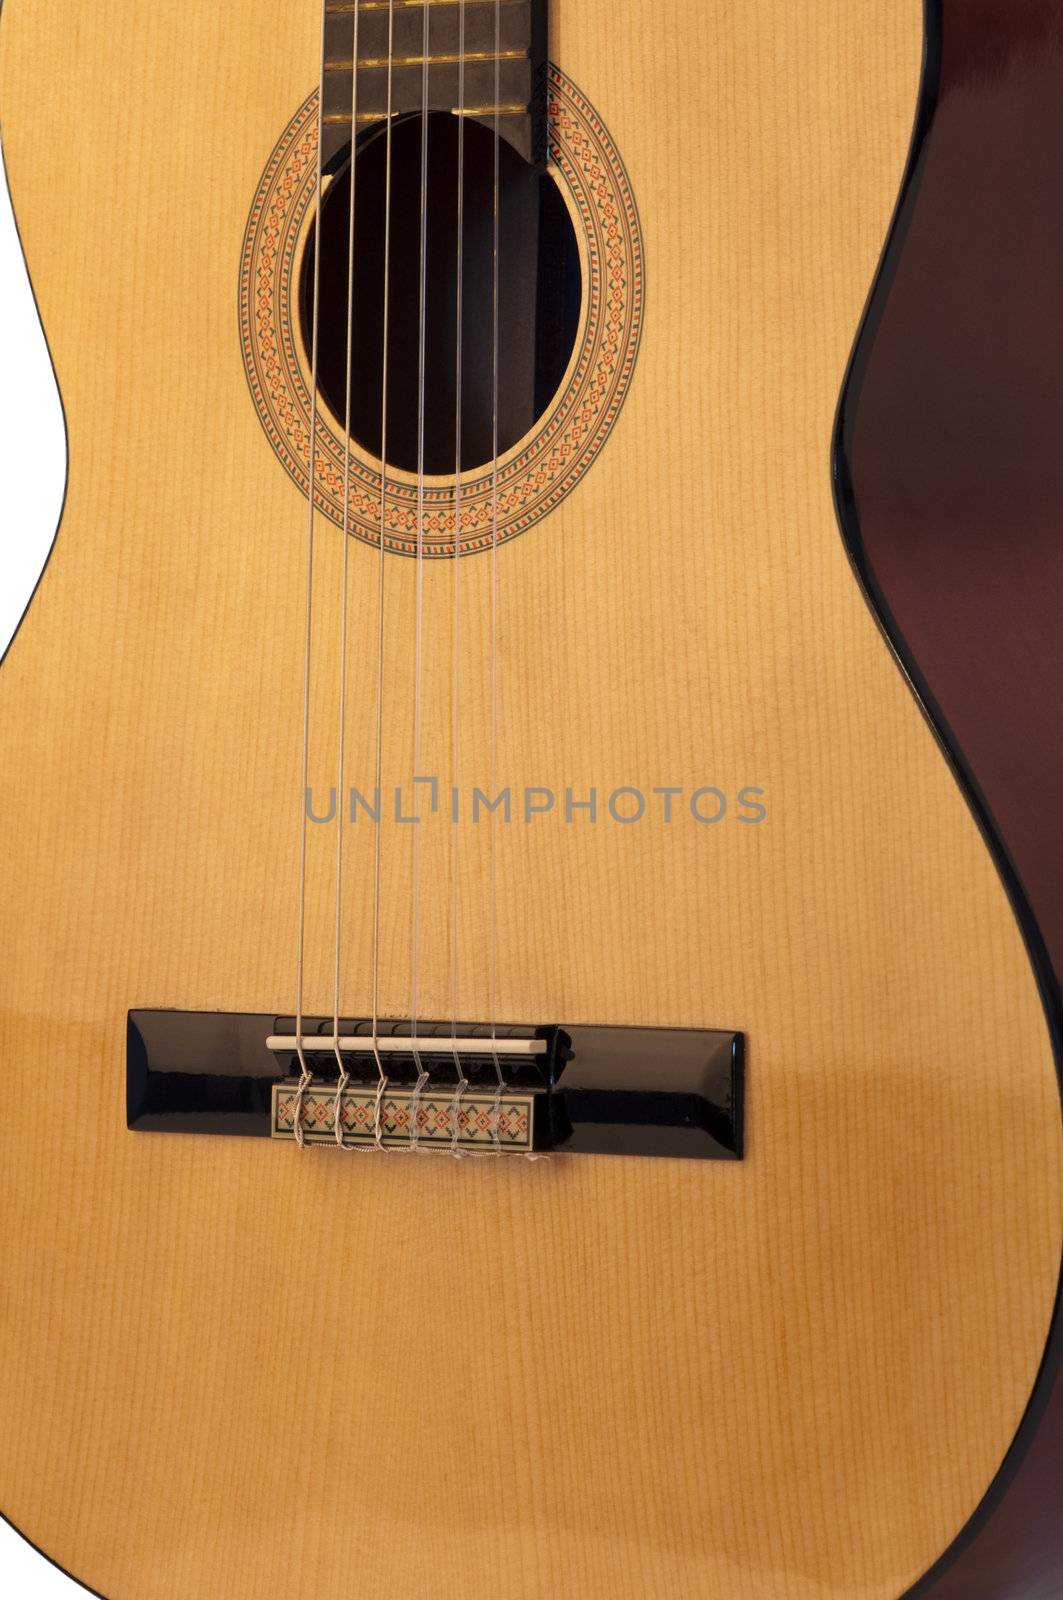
(472, 58)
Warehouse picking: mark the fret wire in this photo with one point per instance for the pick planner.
(454, 111)
(450, 60)
(407, 5)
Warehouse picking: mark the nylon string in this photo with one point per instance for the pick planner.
(418, 645)
(304, 1071)
(460, 1080)
(343, 1076)
(493, 731)
(382, 1080)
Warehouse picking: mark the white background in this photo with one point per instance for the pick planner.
(32, 475)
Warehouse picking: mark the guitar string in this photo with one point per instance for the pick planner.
(496, 1111)
(304, 1071)
(382, 1078)
(343, 1076)
(418, 638)
(460, 1080)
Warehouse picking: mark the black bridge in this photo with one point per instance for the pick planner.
(584, 1090)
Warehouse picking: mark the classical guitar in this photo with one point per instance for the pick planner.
(532, 892)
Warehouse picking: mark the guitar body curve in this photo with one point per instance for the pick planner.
(237, 1368)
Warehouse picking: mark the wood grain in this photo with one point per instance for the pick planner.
(235, 1370)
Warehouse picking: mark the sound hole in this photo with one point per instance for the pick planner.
(538, 301)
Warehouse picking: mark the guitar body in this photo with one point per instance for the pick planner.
(234, 1368)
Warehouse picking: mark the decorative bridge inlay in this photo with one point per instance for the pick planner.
(485, 1122)
(577, 1089)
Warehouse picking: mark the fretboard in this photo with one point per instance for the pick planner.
(504, 50)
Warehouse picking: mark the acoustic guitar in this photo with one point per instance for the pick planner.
(533, 885)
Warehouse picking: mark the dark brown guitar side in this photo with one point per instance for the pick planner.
(950, 488)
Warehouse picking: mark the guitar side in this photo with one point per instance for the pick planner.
(949, 498)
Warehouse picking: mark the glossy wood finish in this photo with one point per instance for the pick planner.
(237, 1370)
(595, 1091)
(952, 494)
